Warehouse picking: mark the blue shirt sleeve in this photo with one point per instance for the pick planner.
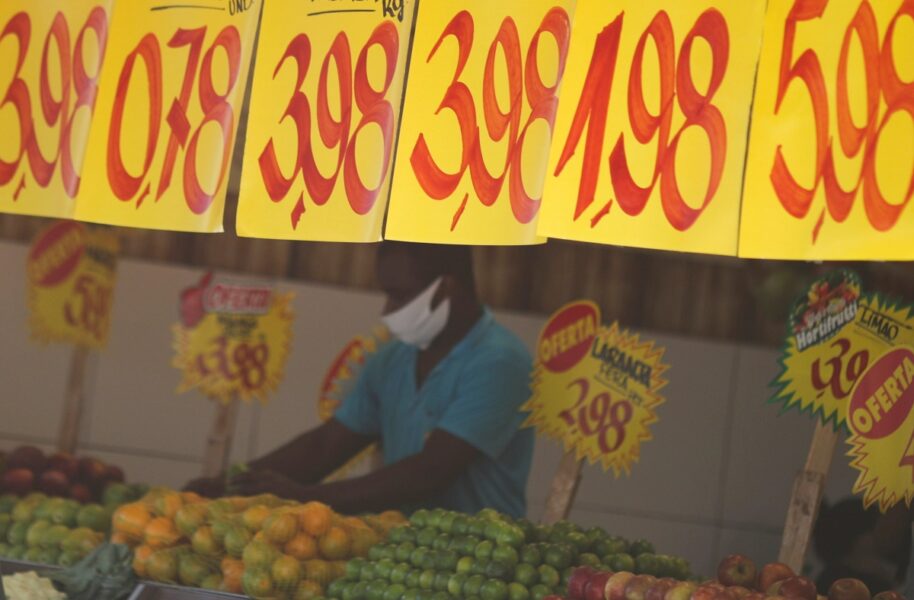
(486, 410)
(360, 410)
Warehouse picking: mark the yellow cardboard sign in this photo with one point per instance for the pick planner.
(50, 57)
(171, 92)
(233, 340)
(881, 423)
(831, 152)
(650, 137)
(325, 105)
(595, 388)
(834, 334)
(477, 121)
(71, 273)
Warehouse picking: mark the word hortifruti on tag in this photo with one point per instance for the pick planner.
(835, 332)
(478, 114)
(882, 430)
(233, 340)
(169, 98)
(596, 388)
(51, 55)
(71, 273)
(325, 105)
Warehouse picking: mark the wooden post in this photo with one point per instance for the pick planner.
(219, 443)
(74, 398)
(564, 489)
(806, 497)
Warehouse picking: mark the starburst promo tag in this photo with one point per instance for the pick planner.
(233, 340)
(595, 388)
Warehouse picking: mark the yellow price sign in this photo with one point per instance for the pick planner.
(650, 136)
(170, 96)
(477, 120)
(50, 57)
(232, 340)
(325, 106)
(881, 426)
(595, 388)
(834, 334)
(71, 273)
(831, 156)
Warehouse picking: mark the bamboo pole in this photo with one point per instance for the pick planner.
(219, 443)
(807, 496)
(564, 489)
(74, 399)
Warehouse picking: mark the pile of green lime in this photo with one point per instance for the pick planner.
(446, 555)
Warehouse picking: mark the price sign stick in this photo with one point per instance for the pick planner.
(564, 489)
(74, 399)
(807, 496)
(219, 443)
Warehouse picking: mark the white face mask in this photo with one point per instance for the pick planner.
(416, 323)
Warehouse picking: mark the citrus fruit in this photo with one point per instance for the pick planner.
(192, 570)
(64, 513)
(280, 527)
(308, 590)
(162, 566)
(213, 581)
(549, 576)
(232, 572)
(68, 559)
(81, 540)
(35, 532)
(16, 552)
(558, 556)
(221, 526)
(116, 494)
(494, 589)
(48, 556)
(506, 554)
(335, 543)
(257, 583)
(259, 555)
(189, 518)
(302, 547)
(473, 585)
(484, 550)
(7, 502)
(122, 538)
(131, 519)
(362, 540)
(286, 572)
(516, 591)
(235, 540)
(140, 555)
(318, 570)
(455, 584)
(338, 568)
(254, 517)
(539, 591)
(203, 542)
(526, 575)
(168, 503)
(192, 498)
(94, 516)
(32, 554)
(160, 532)
(315, 518)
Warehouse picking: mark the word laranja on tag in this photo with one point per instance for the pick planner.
(169, 100)
(649, 142)
(326, 100)
(53, 53)
(478, 116)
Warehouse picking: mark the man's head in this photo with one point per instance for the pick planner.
(406, 269)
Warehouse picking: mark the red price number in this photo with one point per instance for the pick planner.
(77, 90)
(598, 416)
(524, 81)
(840, 372)
(183, 137)
(907, 457)
(676, 88)
(353, 85)
(242, 362)
(89, 308)
(882, 83)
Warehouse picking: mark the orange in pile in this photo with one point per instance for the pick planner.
(262, 546)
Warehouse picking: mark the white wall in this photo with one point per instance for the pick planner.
(715, 479)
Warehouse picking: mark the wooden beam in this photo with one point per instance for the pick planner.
(74, 399)
(564, 489)
(219, 443)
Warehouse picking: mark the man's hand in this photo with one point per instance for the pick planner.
(208, 487)
(265, 481)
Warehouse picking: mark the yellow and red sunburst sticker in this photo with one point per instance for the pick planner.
(596, 388)
(835, 332)
(881, 427)
(233, 340)
(71, 271)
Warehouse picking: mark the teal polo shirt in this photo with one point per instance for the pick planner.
(474, 393)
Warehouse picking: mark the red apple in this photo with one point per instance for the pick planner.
(17, 481)
(888, 595)
(659, 589)
(53, 483)
(681, 591)
(553, 597)
(771, 574)
(738, 591)
(114, 474)
(638, 586)
(616, 584)
(578, 581)
(798, 587)
(593, 587)
(80, 493)
(755, 596)
(27, 457)
(65, 463)
(848, 589)
(707, 591)
(737, 569)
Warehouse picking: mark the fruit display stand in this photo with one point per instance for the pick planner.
(160, 591)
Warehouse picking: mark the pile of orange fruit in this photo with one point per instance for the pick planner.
(261, 546)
